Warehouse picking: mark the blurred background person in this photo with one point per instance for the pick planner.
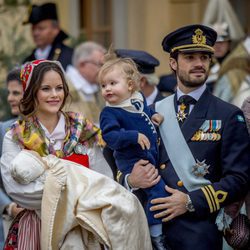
(9, 209)
(233, 84)
(87, 59)
(167, 84)
(232, 78)
(47, 35)
(15, 94)
(222, 48)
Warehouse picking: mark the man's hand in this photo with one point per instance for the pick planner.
(157, 119)
(143, 175)
(173, 205)
(143, 141)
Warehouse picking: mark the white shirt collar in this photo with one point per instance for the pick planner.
(42, 53)
(151, 98)
(127, 104)
(196, 94)
(80, 83)
(246, 44)
(59, 133)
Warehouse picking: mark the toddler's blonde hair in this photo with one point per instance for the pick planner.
(127, 66)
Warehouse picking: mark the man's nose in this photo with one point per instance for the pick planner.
(199, 62)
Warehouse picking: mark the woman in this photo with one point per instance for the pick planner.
(15, 94)
(46, 130)
(8, 209)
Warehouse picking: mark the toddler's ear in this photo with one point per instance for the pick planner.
(130, 85)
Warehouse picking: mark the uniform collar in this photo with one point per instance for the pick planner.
(196, 94)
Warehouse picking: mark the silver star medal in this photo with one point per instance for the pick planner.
(80, 149)
(181, 116)
(200, 169)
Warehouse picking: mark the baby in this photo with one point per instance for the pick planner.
(84, 199)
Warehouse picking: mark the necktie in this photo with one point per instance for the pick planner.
(184, 102)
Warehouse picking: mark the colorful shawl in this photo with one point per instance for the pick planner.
(28, 134)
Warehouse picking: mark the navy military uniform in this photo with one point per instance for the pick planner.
(216, 134)
(59, 51)
(227, 156)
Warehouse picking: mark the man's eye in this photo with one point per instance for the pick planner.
(205, 58)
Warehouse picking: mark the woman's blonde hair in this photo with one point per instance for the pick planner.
(127, 66)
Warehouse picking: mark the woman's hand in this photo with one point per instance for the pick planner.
(173, 205)
(13, 209)
(143, 175)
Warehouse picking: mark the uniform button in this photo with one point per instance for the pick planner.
(162, 166)
(180, 183)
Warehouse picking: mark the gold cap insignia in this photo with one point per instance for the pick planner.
(198, 38)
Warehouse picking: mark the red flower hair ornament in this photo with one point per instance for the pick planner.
(27, 70)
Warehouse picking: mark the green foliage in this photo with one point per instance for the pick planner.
(15, 44)
(16, 2)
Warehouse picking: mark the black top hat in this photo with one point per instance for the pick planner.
(42, 12)
(145, 62)
(191, 38)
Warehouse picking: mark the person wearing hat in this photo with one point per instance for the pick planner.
(146, 64)
(233, 84)
(222, 49)
(204, 152)
(47, 35)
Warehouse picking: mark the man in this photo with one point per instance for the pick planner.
(47, 35)
(87, 60)
(204, 160)
(146, 64)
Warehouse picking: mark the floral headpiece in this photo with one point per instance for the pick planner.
(28, 68)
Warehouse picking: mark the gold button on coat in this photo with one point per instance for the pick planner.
(162, 166)
(180, 183)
